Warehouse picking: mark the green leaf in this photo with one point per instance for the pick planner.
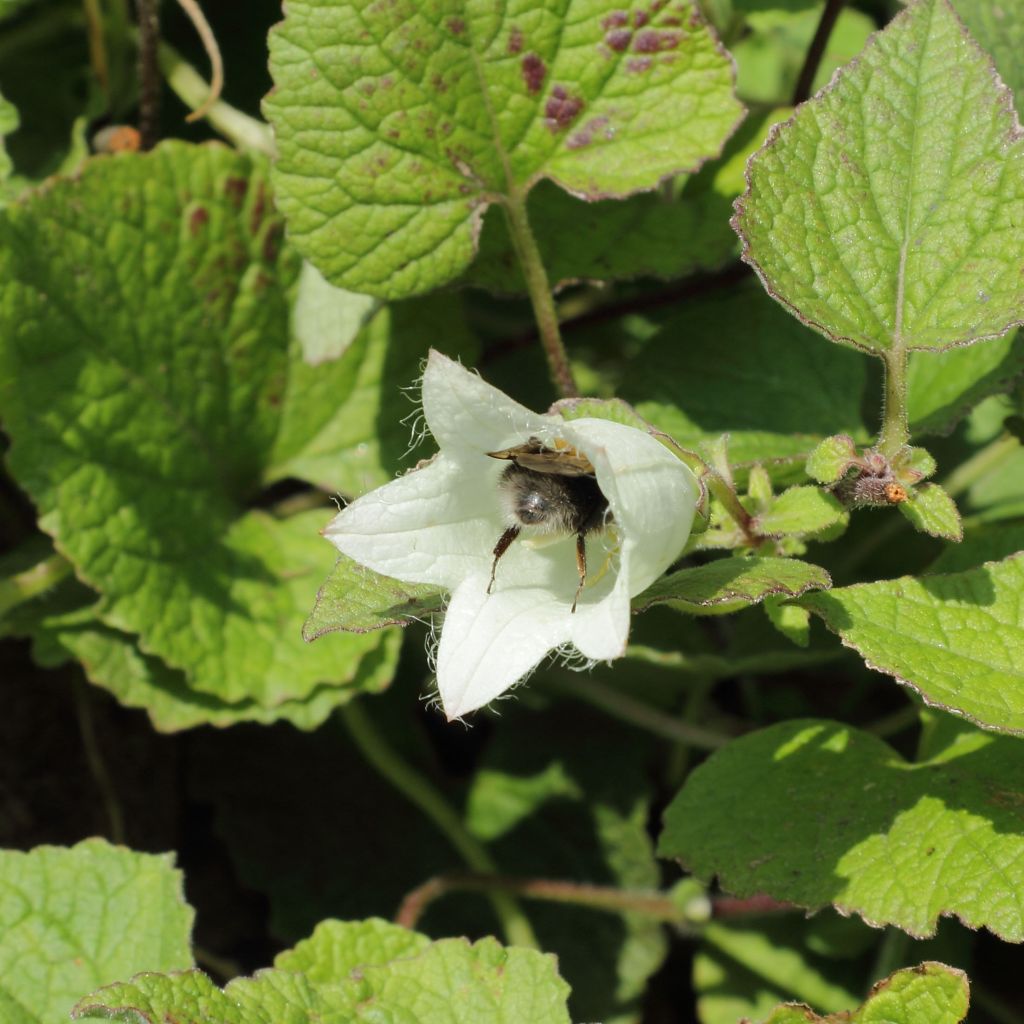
(942, 387)
(337, 948)
(398, 124)
(990, 542)
(325, 319)
(350, 424)
(111, 659)
(801, 512)
(893, 842)
(449, 982)
(357, 599)
(179, 247)
(929, 994)
(74, 919)
(999, 28)
(883, 213)
(778, 393)
(931, 510)
(958, 640)
(831, 459)
(792, 621)
(645, 235)
(731, 583)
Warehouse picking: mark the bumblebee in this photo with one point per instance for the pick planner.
(549, 491)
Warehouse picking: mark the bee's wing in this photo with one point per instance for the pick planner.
(555, 461)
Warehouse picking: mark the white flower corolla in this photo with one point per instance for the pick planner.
(438, 524)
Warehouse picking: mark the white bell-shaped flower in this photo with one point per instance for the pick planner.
(439, 524)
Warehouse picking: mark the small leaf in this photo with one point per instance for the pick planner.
(74, 919)
(913, 464)
(792, 621)
(929, 994)
(931, 510)
(325, 319)
(732, 583)
(398, 124)
(356, 599)
(802, 512)
(896, 843)
(831, 459)
(957, 640)
(877, 219)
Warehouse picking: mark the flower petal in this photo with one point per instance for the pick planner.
(600, 628)
(435, 524)
(466, 414)
(653, 496)
(490, 641)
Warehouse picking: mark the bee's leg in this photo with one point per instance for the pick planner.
(500, 548)
(581, 566)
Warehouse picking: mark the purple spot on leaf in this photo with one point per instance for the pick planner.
(515, 39)
(615, 20)
(456, 26)
(534, 71)
(640, 18)
(586, 134)
(561, 109)
(653, 41)
(638, 64)
(618, 39)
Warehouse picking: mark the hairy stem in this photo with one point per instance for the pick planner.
(24, 586)
(726, 494)
(245, 132)
(895, 429)
(540, 294)
(417, 790)
(829, 17)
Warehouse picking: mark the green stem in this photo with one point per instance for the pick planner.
(895, 428)
(537, 285)
(245, 132)
(24, 586)
(715, 667)
(94, 759)
(636, 712)
(724, 491)
(896, 722)
(980, 464)
(892, 954)
(418, 791)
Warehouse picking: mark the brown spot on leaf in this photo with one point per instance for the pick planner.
(637, 65)
(515, 39)
(272, 242)
(534, 71)
(439, 84)
(259, 207)
(456, 26)
(198, 219)
(615, 20)
(235, 189)
(618, 39)
(653, 41)
(561, 109)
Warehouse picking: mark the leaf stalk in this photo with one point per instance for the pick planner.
(539, 289)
